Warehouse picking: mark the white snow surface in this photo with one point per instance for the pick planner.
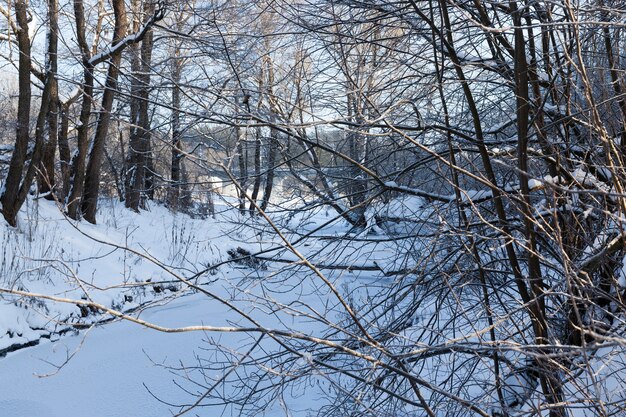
(122, 369)
(114, 371)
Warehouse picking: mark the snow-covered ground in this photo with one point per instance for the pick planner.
(51, 255)
(174, 271)
(125, 369)
(107, 374)
(117, 369)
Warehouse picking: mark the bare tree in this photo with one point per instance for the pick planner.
(139, 144)
(478, 145)
(47, 181)
(18, 182)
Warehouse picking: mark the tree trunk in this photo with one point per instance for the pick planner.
(64, 151)
(9, 197)
(357, 185)
(257, 171)
(256, 187)
(271, 164)
(77, 174)
(18, 183)
(615, 80)
(47, 181)
(46, 175)
(273, 144)
(149, 182)
(139, 143)
(243, 169)
(131, 193)
(92, 175)
(177, 154)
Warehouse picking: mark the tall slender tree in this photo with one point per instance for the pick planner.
(138, 171)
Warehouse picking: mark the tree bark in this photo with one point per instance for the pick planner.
(77, 172)
(139, 143)
(256, 187)
(64, 151)
(240, 134)
(47, 171)
(18, 183)
(92, 176)
(177, 152)
(273, 143)
(9, 197)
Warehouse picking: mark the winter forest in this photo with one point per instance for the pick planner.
(312, 208)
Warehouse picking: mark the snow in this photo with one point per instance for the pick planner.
(117, 369)
(17, 325)
(476, 196)
(120, 45)
(125, 369)
(114, 372)
(517, 387)
(50, 254)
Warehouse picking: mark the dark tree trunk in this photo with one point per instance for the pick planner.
(243, 169)
(64, 151)
(273, 144)
(119, 189)
(139, 143)
(92, 175)
(18, 183)
(47, 172)
(77, 172)
(9, 197)
(271, 164)
(177, 151)
(47, 180)
(256, 187)
(147, 45)
(257, 171)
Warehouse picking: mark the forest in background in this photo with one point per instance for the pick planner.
(482, 143)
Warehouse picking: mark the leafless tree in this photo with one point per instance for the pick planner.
(480, 145)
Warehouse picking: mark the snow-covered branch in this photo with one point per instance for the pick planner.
(118, 47)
